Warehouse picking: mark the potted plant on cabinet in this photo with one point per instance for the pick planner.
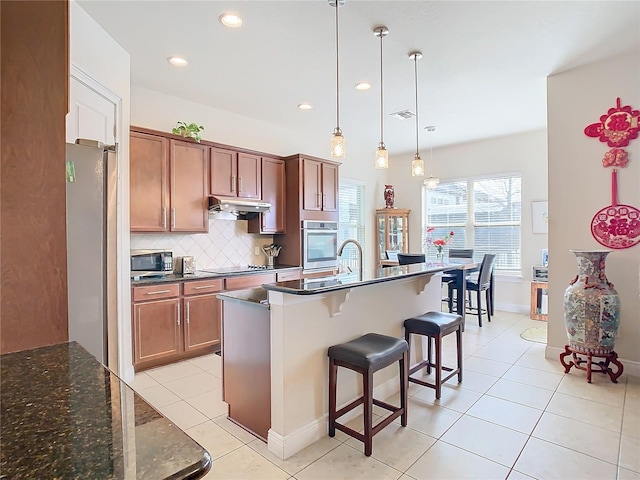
(191, 130)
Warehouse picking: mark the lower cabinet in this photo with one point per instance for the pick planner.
(175, 321)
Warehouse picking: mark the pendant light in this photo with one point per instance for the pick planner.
(417, 165)
(338, 147)
(382, 154)
(431, 182)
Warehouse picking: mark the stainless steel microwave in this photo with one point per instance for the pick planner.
(151, 262)
(319, 244)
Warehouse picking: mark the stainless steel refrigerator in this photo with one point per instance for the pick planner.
(91, 246)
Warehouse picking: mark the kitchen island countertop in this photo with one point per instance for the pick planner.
(311, 286)
(64, 415)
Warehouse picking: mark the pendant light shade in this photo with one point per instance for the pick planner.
(431, 182)
(382, 154)
(417, 165)
(338, 146)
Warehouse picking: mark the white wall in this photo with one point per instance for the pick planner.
(97, 55)
(525, 153)
(579, 186)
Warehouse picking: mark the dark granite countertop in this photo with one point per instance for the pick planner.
(311, 286)
(202, 275)
(64, 415)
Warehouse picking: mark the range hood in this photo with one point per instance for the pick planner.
(244, 208)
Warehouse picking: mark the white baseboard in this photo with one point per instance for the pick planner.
(286, 446)
(512, 307)
(630, 368)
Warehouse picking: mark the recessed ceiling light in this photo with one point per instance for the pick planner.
(363, 86)
(177, 61)
(231, 20)
(305, 106)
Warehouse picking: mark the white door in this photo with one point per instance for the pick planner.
(91, 115)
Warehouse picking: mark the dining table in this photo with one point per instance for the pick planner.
(460, 268)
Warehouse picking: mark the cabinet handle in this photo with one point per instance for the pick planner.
(204, 286)
(173, 218)
(157, 292)
(178, 316)
(187, 319)
(239, 184)
(324, 200)
(233, 183)
(318, 199)
(164, 217)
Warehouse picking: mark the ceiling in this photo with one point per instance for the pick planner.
(482, 74)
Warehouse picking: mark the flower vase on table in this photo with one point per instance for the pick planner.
(592, 316)
(438, 243)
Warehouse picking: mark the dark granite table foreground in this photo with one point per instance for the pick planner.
(64, 415)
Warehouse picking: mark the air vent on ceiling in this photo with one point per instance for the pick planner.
(403, 114)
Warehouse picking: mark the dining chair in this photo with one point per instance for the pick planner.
(409, 258)
(480, 284)
(461, 253)
(392, 254)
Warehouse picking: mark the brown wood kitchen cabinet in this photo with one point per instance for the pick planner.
(156, 318)
(273, 192)
(168, 184)
(319, 185)
(312, 194)
(235, 174)
(170, 326)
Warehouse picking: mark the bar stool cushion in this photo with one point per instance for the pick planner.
(433, 323)
(371, 351)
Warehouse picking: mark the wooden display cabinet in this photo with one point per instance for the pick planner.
(392, 231)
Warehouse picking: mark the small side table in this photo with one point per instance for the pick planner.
(600, 367)
(538, 301)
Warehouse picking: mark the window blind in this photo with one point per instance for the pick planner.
(351, 220)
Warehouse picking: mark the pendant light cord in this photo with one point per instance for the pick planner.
(337, 68)
(381, 88)
(415, 60)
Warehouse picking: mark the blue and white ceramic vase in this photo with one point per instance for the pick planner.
(591, 306)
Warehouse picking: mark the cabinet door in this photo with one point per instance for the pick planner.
(329, 187)
(224, 174)
(156, 330)
(249, 169)
(311, 189)
(201, 321)
(189, 192)
(149, 188)
(273, 191)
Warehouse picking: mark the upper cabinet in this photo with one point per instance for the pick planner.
(273, 192)
(235, 174)
(168, 184)
(319, 185)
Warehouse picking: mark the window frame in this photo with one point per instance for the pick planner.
(470, 225)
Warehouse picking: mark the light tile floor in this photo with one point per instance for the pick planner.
(516, 415)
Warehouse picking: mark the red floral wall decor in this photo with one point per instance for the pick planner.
(616, 157)
(616, 127)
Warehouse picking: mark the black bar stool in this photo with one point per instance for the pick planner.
(435, 325)
(366, 355)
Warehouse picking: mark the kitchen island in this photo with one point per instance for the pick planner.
(308, 316)
(64, 415)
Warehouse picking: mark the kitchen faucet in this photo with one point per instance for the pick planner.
(341, 247)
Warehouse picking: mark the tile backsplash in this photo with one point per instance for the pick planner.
(226, 245)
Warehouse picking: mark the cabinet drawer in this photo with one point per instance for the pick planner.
(290, 275)
(248, 281)
(203, 286)
(155, 292)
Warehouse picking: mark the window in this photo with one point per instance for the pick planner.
(351, 220)
(483, 213)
